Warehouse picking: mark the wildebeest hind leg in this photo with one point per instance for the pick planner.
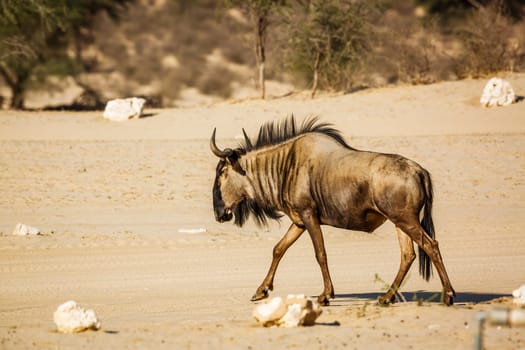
(408, 255)
(431, 247)
(293, 233)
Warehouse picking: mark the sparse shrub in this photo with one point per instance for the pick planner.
(37, 37)
(413, 54)
(386, 286)
(486, 41)
(517, 63)
(236, 53)
(342, 45)
(216, 81)
(330, 40)
(172, 84)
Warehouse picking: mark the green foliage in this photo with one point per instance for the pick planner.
(20, 12)
(35, 36)
(332, 38)
(24, 25)
(255, 6)
(80, 16)
(454, 9)
(26, 30)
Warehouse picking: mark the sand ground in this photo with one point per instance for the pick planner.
(110, 199)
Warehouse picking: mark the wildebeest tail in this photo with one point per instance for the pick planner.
(425, 266)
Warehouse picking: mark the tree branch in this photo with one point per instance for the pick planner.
(476, 4)
(7, 75)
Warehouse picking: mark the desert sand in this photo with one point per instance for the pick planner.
(110, 199)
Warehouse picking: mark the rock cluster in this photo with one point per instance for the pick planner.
(295, 310)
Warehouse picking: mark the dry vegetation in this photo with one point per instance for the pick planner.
(160, 48)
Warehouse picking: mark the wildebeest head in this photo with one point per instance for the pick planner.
(231, 187)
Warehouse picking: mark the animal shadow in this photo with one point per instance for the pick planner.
(148, 115)
(434, 297)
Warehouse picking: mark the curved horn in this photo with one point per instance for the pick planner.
(247, 139)
(213, 146)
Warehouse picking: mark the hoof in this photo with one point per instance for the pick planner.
(259, 295)
(386, 300)
(323, 300)
(448, 298)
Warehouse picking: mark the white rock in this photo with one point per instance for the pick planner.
(497, 92)
(124, 109)
(295, 310)
(25, 230)
(309, 311)
(292, 318)
(519, 295)
(71, 318)
(270, 312)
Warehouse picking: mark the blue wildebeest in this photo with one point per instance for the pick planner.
(309, 173)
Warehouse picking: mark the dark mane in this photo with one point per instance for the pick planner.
(260, 213)
(276, 132)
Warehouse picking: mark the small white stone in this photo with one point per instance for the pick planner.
(25, 230)
(519, 295)
(192, 230)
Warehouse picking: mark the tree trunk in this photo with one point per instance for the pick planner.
(259, 52)
(16, 82)
(17, 97)
(475, 4)
(262, 80)
(316, 73)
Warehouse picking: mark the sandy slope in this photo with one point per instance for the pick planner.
(111, 197)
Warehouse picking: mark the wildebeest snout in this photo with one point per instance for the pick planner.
(223, 215)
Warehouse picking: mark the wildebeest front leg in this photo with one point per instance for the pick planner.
(408, 255)
(293, 233)
(314, 229)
